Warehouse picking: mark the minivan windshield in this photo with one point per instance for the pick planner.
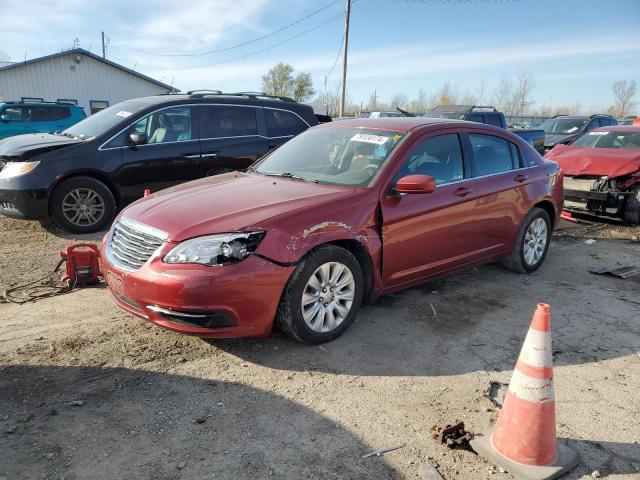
(338, 156)
(563, 126)
(600, 139)
(104, 120)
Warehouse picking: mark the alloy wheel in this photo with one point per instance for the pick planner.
(83, 207)
(535, 241)
(328, 296)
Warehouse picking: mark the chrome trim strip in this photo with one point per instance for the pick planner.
(146, 229)
(174, 313)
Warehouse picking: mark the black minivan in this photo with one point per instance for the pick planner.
(81, 176)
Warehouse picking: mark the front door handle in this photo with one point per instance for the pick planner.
(463, 192)
(190, 157)
(209, 155)
(522, 177)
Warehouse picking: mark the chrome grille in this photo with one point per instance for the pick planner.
(132, 243)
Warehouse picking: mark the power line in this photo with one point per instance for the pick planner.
(233, 47)
(448, 2)
(235, 59)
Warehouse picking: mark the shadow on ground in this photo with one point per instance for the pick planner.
(72, 422)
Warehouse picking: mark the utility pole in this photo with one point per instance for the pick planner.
(343, 86)
(104, 47)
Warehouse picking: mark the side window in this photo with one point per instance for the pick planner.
(281, 123)
(475, 117)
(168, 125)
(231, 121)
(595, 123)
(439, 157)
(605, 122)
(14, 113)
(49, 114)
(493, 155)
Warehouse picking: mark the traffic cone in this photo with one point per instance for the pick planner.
(523, 441)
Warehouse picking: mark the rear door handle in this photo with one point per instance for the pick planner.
(209, 155)
(463, 192)
(189, 157)
(521, 178)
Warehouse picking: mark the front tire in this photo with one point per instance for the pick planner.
(323, 296)
(82, 205)
(632, 208)
(532, 242)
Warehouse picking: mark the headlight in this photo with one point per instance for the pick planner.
(15, 169)
(216, 249)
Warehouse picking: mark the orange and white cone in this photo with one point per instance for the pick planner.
(523, 441)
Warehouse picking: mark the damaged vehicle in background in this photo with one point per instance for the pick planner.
(343, 212)
(602, 172)
(564, 129)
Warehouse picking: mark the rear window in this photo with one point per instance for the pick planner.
(619, 140)
(281, 123)
(492, 155)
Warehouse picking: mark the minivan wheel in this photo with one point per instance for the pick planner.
(632, 208)
(532, 242)
(82, 205)
(322, 297)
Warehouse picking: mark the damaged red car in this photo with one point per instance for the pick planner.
(602, 172)
(335, 216)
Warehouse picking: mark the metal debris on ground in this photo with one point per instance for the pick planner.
(435, 314)
(622, 272)
(591, 241)
(453, 436)
(492, 392)
(377, 453)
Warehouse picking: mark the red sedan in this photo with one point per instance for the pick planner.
(337, 215)
(602, 172)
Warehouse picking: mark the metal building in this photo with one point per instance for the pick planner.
(75, 76)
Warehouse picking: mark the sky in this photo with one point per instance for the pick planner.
(575, 49)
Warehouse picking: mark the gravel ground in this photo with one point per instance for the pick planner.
(87, 391)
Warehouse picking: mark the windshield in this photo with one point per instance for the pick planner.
(622, 140)
(563, 126)
(104, 120)
(338, 156)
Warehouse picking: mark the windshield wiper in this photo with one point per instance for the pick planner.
(289, 175)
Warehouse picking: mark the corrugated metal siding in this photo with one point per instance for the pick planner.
(64, 77)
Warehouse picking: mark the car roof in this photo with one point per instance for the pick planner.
(618, 128)
(221, 98)
(397, 124)
(583, 117)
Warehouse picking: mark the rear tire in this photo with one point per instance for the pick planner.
(631, 213)
(322, 297)
(82, 205)
(532, 242)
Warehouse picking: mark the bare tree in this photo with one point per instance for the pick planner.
(4, 56)
(469, 98)
(399, 100)
(623, 93)
(481, 92)
(447, 94)
(521, 97)
(502, 95)
(372, 103)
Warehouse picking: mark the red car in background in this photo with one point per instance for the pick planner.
(602, 172)
(336, 215)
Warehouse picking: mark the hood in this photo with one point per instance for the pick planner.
(228, 203)
(28, 145)
(610, 162)
(552, 139)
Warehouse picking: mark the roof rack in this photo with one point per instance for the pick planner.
(207, 93)
(484, 107)
(463, 109)
(68, 102)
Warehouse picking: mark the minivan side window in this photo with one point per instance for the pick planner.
(593, 124)
(48, 114)
(14, 113)
(166, 125)
(439, 157)
(493, 155)
(219, 121)
(281, 123)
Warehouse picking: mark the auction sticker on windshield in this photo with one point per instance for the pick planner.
(367, 138)
(123, 114)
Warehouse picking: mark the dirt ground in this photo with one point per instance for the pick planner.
(89, 392)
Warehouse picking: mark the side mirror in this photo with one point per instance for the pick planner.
(138, 138)
(5, 118)
(416, 184)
